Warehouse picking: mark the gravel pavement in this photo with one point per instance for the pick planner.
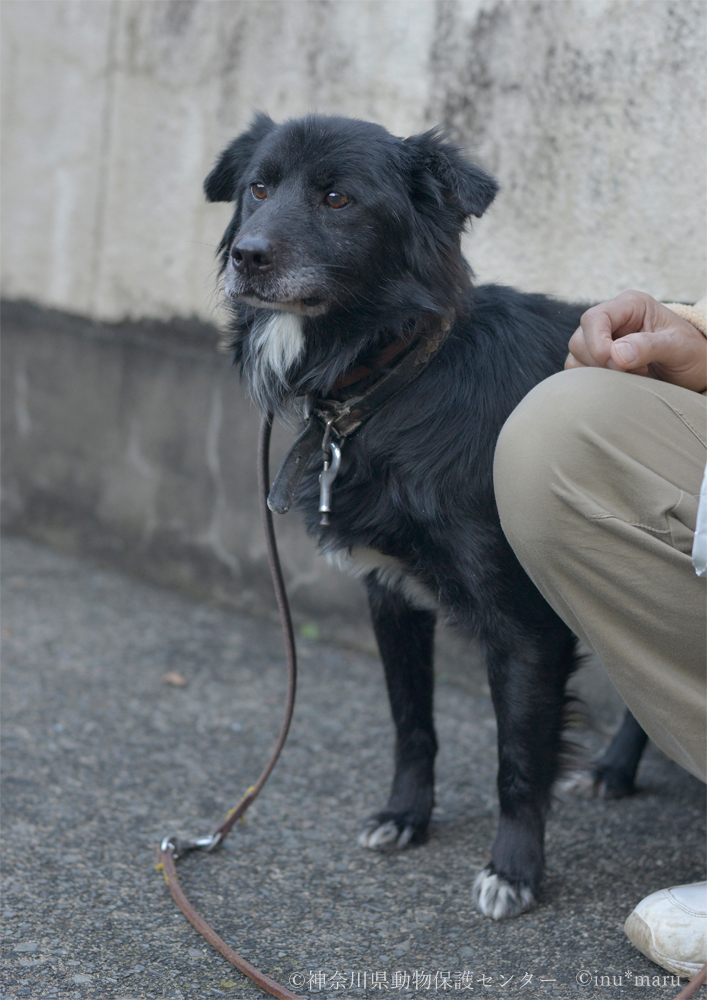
(103, 756)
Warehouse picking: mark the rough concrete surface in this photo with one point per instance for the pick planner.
(103, 757)
(591, 113)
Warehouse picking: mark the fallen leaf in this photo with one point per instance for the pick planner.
(175, 679)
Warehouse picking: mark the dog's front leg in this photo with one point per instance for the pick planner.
(405, 639)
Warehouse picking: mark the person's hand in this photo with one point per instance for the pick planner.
(634, 333)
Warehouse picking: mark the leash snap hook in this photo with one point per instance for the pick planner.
(181, 847)
(332, 463)
(208, 843)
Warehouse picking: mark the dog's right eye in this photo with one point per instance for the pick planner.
(259, 191)
(335, 199)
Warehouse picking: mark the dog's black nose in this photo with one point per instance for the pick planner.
(253, 255)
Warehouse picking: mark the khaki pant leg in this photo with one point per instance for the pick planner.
(597, 477)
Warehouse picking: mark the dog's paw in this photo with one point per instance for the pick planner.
(600, 781)
(496, 898)
(579, 784)
(388, 831)
(611, 782)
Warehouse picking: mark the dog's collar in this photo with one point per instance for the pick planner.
(380, 361)
(357, 396)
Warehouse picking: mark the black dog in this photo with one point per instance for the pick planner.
(344, 249)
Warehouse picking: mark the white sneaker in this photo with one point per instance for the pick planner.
(670, 928)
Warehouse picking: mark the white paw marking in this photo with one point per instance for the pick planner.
(498, 899)
(575, 784)
(376, 835)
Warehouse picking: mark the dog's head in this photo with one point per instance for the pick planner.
(341, 227)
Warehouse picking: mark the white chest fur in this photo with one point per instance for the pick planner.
(389, 571)
(278, 343)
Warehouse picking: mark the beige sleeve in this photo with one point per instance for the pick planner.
(697, 314)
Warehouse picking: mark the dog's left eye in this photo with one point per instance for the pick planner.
(335, 199)
(259, 191)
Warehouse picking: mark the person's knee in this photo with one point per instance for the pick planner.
(545, 440)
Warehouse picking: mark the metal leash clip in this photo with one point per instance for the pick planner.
(181, 847)
(331, 453)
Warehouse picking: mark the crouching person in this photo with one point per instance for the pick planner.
(598, 476)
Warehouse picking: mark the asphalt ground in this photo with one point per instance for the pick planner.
(103, 757)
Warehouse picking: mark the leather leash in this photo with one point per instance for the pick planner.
(693, 986)
(171, 848)
(343, 417)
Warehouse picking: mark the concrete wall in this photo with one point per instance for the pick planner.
(591, 114)
(132, 442)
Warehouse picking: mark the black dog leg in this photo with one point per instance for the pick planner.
(615, 771)
(405, 639)
(527, 687)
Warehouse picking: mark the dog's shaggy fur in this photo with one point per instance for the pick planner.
(343, 238)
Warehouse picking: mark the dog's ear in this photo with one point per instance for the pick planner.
(222, 182)
(441, 169)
